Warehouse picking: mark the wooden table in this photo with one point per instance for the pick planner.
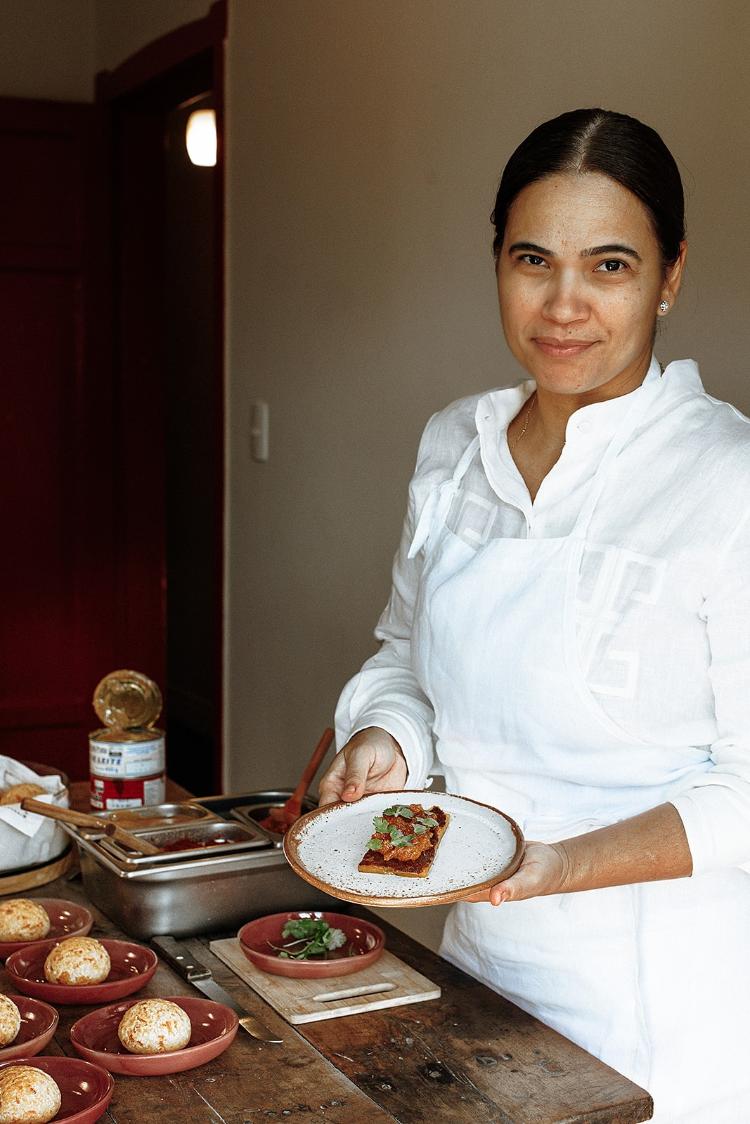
(469, 1056)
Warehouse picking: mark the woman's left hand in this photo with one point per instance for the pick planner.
(542, 871)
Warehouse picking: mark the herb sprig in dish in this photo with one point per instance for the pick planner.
(314, 936)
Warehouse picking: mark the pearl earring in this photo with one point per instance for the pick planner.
(663, 307)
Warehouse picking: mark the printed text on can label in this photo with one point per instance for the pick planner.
(118, 759)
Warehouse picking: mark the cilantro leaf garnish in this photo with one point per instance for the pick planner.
(315, 936)
(428, 821)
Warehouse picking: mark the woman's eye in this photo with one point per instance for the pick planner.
(612, 265)
(532, 259)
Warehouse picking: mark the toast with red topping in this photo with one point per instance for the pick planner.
(404, 841)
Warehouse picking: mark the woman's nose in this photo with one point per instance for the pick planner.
(565, 302)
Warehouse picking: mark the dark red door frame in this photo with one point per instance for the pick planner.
(166, 54)
(160, 75)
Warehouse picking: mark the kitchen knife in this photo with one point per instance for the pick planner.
(184, 963)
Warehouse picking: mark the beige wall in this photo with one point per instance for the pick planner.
(47, 49)
(54, 48)
(365, 140)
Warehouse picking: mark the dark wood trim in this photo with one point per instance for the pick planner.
(163, 54)
(220, 432)
(156, 75)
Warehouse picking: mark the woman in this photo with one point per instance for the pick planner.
(569, 627)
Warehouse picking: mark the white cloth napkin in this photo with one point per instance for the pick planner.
(25, 838)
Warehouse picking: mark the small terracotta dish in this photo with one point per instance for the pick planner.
(38, 1024)
(133, 965)
(86, 1089)
(214, 1027)
(66, 920)
(364, 944)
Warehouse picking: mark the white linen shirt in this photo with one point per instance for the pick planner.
(662, 604)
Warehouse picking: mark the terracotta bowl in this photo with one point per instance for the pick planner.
(214, 1027)
(133, 965)
(66, 920)
(86, 1089)
(38, 1025)
(365, 943)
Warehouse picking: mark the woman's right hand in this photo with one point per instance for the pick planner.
(371, 761)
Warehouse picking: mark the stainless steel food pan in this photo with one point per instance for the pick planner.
(215, 836)
(252, 807)
(208, 894)
(150, 818)
(153, 816)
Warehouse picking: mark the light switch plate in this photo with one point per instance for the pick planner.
(259, 430)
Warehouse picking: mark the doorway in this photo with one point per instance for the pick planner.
(165, 324)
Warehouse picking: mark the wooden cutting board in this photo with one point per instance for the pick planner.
(389, 983)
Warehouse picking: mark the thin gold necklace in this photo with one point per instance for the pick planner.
(529, 412)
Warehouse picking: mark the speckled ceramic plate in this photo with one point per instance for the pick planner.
(480, 847)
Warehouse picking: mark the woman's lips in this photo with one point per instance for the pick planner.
(551, 346)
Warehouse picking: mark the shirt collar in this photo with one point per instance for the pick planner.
(589, 429)
(496, 409)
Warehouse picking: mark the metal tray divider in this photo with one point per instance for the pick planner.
(254, 841)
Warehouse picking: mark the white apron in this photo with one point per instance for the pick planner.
(655, 978)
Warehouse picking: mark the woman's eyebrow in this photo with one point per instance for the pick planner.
(530, 248)
(591, 252)
(611, 248)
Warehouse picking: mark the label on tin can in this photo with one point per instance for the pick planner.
(126, 759)
(109, 793)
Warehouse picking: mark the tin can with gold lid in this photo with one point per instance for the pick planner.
(127, 759)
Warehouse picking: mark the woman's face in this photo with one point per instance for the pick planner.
(580, 278)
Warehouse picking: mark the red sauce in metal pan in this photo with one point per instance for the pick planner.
(185, 843)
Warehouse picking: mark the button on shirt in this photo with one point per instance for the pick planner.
(659, 610)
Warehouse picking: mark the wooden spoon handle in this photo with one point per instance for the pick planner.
(82, 819)
(134, 842)
(295, 800)
(67, 815)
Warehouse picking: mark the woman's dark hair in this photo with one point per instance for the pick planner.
(598, 140)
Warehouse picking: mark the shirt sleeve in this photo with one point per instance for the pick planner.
(386, 693)
(716, 810)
